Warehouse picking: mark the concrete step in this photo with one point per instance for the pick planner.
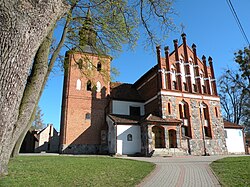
(169, 152)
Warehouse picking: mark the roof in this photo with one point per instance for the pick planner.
(124, 91)
(152, 118)
(125, 119)
(231, 125)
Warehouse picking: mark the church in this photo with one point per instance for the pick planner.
(173, 109)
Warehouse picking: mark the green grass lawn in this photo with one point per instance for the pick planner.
(233, 171)
(75, 171)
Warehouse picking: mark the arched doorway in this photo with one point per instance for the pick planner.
(172, 138)
(158, 137)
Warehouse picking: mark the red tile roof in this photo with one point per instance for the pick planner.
(152, 118)
(229, 125)
(125, 119)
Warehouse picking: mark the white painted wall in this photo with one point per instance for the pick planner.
(128, 147)
(234, 141)
(122, 107)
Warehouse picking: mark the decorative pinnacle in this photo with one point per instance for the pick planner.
(194, 46)
(210, 59)
(203, 58)
(166, 48)
(183, 35)
(175, 41)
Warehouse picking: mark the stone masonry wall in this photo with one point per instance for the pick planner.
(214, 146)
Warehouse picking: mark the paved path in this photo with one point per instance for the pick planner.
(189, 171)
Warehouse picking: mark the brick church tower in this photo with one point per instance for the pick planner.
(85, 91)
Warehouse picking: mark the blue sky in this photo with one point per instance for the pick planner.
(208, 23)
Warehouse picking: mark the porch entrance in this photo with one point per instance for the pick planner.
(158, 137)
(172, 138)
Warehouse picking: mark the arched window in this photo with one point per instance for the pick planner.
(89, 65)
(129, 137)
(87, 116)
(99, 66)
(98, 86)
(206, 121)
(89, 85)
(78, 84)
(80, 63)
(174, 85)
(180, 111)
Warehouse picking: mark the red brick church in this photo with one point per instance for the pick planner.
(172, 109)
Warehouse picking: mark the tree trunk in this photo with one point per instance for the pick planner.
(41, 58)
(24, 25)
(32, 94)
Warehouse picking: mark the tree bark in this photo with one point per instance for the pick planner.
(24, 25)
(30, 93)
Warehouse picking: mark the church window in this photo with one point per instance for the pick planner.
(185, 86)
(89, 65)
(87, 116)
(174, 85)
(89, 85)
(204, 89)
(184, 130)
(80, 63)
(194, 88)
(98, 86)
(129, 137)
(169, 108)
(99, 66)
(207, 127)
(78, 84)
(185, 111)
(216, 111)
(134, 111)
(180, 111)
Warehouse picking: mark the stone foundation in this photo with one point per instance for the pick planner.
(84, 149)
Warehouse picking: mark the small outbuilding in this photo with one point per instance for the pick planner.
(235, 139)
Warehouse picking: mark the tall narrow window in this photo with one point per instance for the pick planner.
(89, 85)
(99, 66)
(194, 88)
(216, 112)
(78, 84)
(80, 63)
(169, 108)
(89, 65)
(207, 126)
(180, 111)
(174, 85)
(204, 89)
(185, 86)
(98, 86)
(185, 111)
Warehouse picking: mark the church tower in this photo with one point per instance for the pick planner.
(86, 87)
